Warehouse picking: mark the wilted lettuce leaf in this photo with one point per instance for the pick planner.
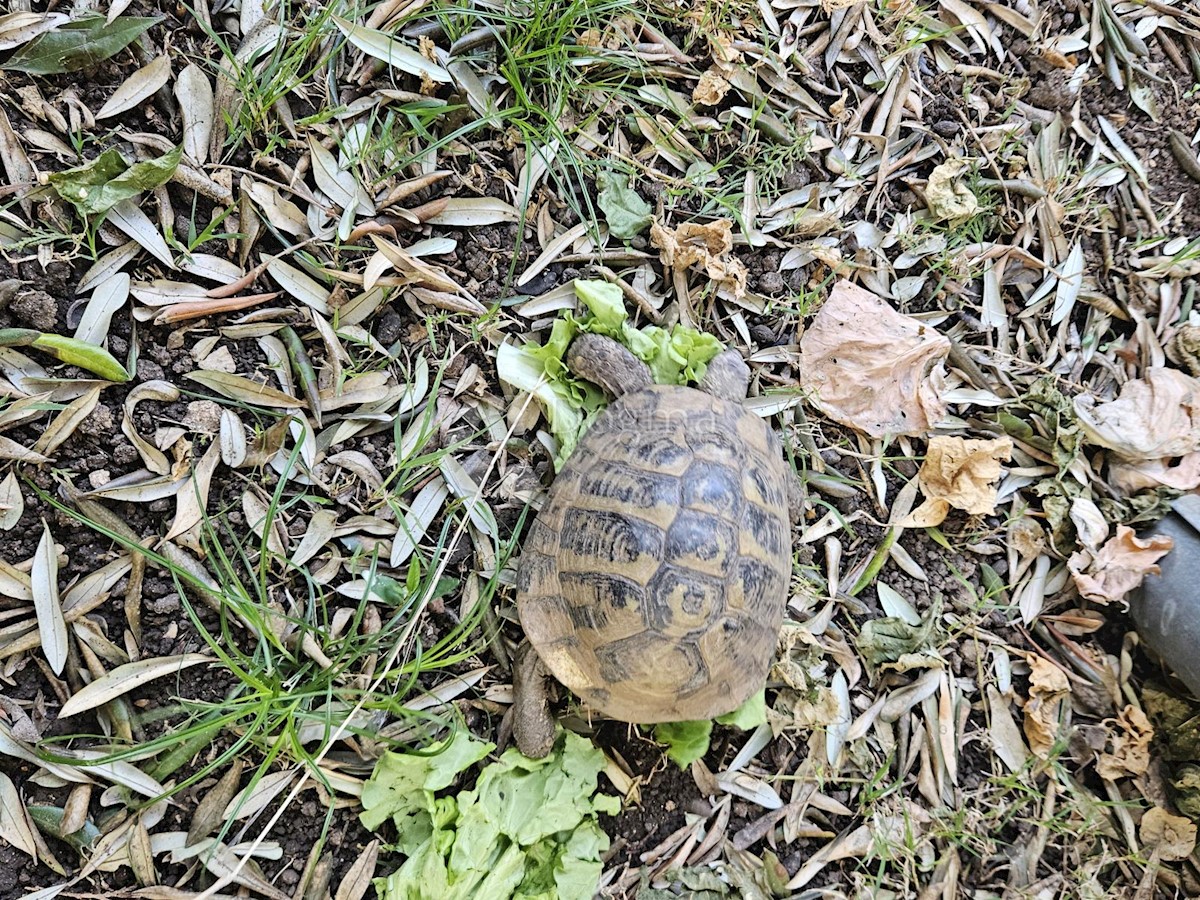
(528, 829)
(108, 179)
(627, 214)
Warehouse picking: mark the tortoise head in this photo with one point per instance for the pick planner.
(606, 363)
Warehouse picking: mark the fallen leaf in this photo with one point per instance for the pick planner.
(1118, 566)
(871, 368)
(708, 246)
(946, 195)
(963, 472)
(1171, 837)
(1156, 417)
(711, 88)
(1130, 745)
(138, 87)
(1048, 688)
(52, 627)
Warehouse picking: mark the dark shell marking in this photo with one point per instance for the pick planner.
(653, 582)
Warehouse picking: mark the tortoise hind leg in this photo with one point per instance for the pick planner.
(533, 726)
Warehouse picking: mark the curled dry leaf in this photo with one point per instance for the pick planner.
(711, 88)
(871, 368)
(707, 246)
(163, 392)
(963, 472)
(946, 194)
(1171, 837)
(1048, 688)
(1154, 419)
(1130, 746)
(1118, 566)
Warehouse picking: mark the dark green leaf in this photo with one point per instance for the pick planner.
(108, 179)
(78, 45)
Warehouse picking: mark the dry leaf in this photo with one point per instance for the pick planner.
(52, 627)
(1154, 418)
(195, 95)
(1118, 566)
(946, 194)
(1048, 688)
(1131, 746)
(138, 87)
(711, 88)
(1180, 474)
(707, 246)
(1171, 837)
(871, 368)
(963, 472)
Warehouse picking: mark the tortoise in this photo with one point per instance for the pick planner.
(654, 580)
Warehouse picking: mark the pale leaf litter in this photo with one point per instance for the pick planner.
(987, 281)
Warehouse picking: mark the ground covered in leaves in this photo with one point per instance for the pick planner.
(284, 293)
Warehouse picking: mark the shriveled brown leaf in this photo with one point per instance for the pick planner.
(1119, 566)
(1131, 736)
(1155, 417)
(707, 247)
(869, 367)
(1171, 837)
(1048, 689)
(963, 472)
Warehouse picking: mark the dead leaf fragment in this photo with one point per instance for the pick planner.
(946, 194)
(963, 472)
(1154, 418)
(707, 246)
(1171, 837)
(711, 88)
(871, 368)
(1118, 566)
(1048, 688)
(1131, 746)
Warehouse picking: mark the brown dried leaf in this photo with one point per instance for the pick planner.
(962, 472)
(707, 246)
(947, 196)
(1048, 688)
(1154, 418)
(871, 368)
(1131, 746)
(1118, 566)
(1171, 837)
(711, 88)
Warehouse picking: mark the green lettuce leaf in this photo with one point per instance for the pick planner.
(626, 213)
(678, 356)
(528, 829)
(686, 741)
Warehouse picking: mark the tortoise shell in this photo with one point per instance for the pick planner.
(654, 580)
